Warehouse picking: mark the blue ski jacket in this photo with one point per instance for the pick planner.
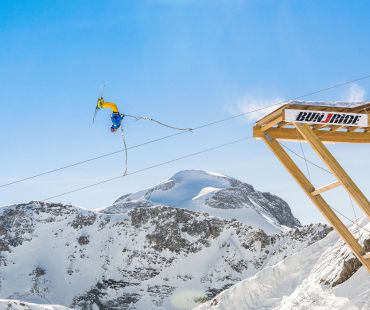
(116, 120)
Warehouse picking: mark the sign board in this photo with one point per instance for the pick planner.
(326, 118)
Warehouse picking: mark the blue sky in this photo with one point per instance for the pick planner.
(183, 62)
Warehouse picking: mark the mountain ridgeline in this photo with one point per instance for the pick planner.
(172, 246)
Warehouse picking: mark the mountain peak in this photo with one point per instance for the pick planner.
(216, 194)
(195, 173)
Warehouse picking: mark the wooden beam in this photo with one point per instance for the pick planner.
(291, 134)
(334, 166)
(279, 112)
(273, 122)
(325, 188)
(318, 200)
(270, 117)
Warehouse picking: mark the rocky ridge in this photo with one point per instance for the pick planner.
(215, 194)
(149, 256)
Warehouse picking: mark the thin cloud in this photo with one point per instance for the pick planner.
(355, 93)
(250, 103)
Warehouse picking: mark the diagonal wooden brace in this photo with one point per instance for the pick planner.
(318, 200)
(334, 167)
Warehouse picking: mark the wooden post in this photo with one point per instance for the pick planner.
(318, 200)
(334, 166)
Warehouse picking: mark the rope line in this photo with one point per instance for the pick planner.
(89, 160)
(305, 159)
(354, 214)
(146, 118)
(353, 222)
(179, 133)
(308, 161)
(149, 168)
(125, 146)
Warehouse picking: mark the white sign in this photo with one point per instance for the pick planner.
(326, 117)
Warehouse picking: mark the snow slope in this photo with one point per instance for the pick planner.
(217, 195)
(329, 104)
(318, 277)
(20, 305)
(153, 257)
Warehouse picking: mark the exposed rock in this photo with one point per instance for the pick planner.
(279, 209)
(38, 272)
(140, 248)
(99, 296)
(83, 240)
(185, 188)
(367, 245)
(83, 220)
(349, 268)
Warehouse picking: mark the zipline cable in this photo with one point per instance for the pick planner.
(354, 212)
(188, 156)
(308, 161)
(353, 222)
(181, 132)
(145, 118)
(150, 167)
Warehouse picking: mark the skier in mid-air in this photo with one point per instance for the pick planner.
(116, 117)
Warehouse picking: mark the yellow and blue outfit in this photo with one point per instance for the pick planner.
(116, 117)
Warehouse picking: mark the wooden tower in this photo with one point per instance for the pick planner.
(316, 125)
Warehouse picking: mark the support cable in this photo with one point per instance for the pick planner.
(150, 167)
(308, 161)
(182, 132)
(304, 157)
(354, 213)
(146, 118)
(347, 218)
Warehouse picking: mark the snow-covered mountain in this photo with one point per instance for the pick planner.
(217, 195)
(324, 275)
(21, 305)
(138, 255)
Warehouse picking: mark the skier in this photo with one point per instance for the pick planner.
(116, 117)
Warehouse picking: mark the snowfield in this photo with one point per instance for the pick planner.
(156, 256)
(310, 279)
(142, 253)
(175, 246)
(217, 195)
(20, 305)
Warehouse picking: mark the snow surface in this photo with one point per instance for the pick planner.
(20, 305)
(340, 104)
(157, 257)
(302, 281)
(141, 255)
(193, 189)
